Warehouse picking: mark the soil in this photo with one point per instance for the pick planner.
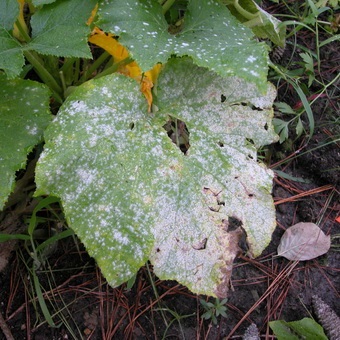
(85, 307)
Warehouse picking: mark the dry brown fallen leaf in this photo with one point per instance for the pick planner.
(303, 241)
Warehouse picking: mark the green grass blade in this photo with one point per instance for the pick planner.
(41, 300)
(55, 238)
(7, 237)
(306, 106)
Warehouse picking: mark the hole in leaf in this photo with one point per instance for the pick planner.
(178, 133)
(253, 107)
(251, 195)
(175, 16)
(223, 98)
(220, 144)
(250, 156)
(233, 223)
(132, 125)
(242, 243)
(250, 141)
(266, 127)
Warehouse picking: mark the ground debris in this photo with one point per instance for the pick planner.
(251, 333)
(327, 318)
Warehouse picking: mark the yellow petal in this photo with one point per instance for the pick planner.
(16, 32)
(93, 14)
(132, 70)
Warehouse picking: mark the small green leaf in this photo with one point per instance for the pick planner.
(210, 35)
(295, 330)
(9, 10)
(284, 108)
(65, 32)
(281, 128)
(299, 127)
(24, 114)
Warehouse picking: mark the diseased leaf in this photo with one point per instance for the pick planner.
(306, 328)
(131, 195)
(210, 35)
(24, 114)
(9, 10)
(303, 241)
(65, 32)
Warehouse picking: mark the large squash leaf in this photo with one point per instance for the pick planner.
(65, 32)
(211, 35)
(130, 193)
(62, 34)
(24, 114)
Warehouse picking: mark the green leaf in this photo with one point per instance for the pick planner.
(9, 10)
(11, 57)
(131, 195)
(210, 35)
(281, 128)
(303, 329)
(24, 114)
(42, 2)
(65, 32)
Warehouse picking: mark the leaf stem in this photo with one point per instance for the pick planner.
(167, 5)
(45, 76)
(23, 31)
(244, 12)
(94, 67)
(114, 67)
(254, 22)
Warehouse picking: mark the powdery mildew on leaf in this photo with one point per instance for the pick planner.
(131, 195)
(24, 114)
(210, 35)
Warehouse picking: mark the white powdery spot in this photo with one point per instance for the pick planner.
(120, 238)
(255, 74)
(251, 59)
(87, 176)
(77, 106)
(32, 130)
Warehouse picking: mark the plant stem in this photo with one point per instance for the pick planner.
(114, 67)
(23, 31)
(45, 76)
(94, 66)
(156, 293)
(244, 12)
(167, 5)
